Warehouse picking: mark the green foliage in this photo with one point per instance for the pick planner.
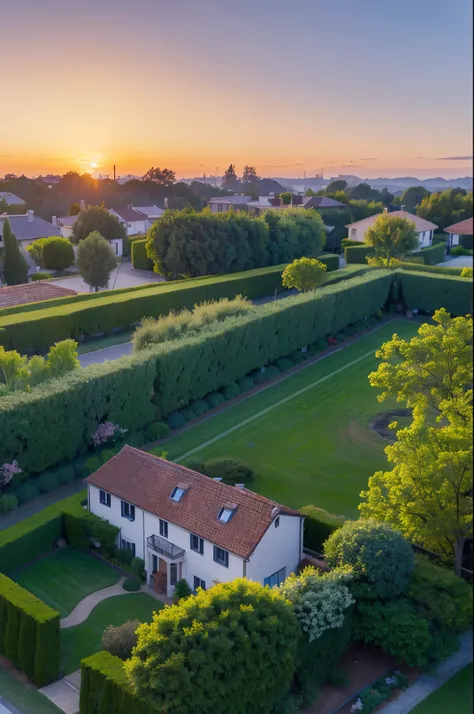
(92, 464)
(392, 237)
(181, 591)
(358, 253)
(42, 275)
(131, 586)
(195, 464)
(231, 471)
(140, 259)
(304, 274)
(15, 271)
(175, 420)
(379, 556)
(29, 633)
(466, 273)
(82, 528)
(433, 269)
(97, 219)
(157, 430)
(432, 255)
(431, 292)
(66, 474)
(446, 208)
(54, 253)
(120, 640)
(95, 260)
(330, 260)
(459, 250)
(412, 197)
(318, 526)
(336, 219)
(466, 241)
(283, 364)
(230, 391)
(47, 482)
(245, 384)
(164, 667)
(361, 209)
(8, 503)
(26, 492)
(215, 399)
(21, 373)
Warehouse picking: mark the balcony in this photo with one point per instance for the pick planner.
(164, 547)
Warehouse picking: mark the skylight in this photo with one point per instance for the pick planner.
(225, 514)
(177, 493)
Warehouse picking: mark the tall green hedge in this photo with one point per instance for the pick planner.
(466, 242)
(430, 292)
(105, 688)
(318, 526)
(432, 255)
(38, 329)
(330, 260)
(29, 633)
(140, 260)
(56, 421)
(358, 253)
(421, 268)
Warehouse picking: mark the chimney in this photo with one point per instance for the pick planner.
(83, 205)
(31, 216)
(54, 221)
(402, 208)
(275, 512)
(166, 203)
(240, 485)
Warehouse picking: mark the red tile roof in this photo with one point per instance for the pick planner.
(31, 292)
(463, 228)
(147, 482)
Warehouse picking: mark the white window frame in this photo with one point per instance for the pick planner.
(105, 498)
(126, 506)
(225, 561)
(200, 544)
(163, 528)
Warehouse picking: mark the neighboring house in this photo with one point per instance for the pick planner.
(186, 525)
(135, 221)
(65, 224)
(322, 202)
(11, 199)
(463, 228)
(32, 292)
(265, 203)
(151, 212)
(223, 204)
(27, 228)
(424, 228)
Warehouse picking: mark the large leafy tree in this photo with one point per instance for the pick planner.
(95, 260)
(428, 493)
(228, 649)
(163, 177)
(304, 274)
(230, 180)
(412, 197)
(363, 209)
(447, 207)
(97, 218)
(14, 264)
(392, 237)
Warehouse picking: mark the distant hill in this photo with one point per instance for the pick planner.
(395, 185)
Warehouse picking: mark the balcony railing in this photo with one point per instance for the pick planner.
(164, 547)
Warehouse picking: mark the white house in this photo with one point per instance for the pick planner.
(151, 212)
(135, 221)
(186, 525)
(66, 227)
(27, 228)
(11, 199)
(424, 228)
(463, 228)
(223, 204)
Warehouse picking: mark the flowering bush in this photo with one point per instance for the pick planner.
(7, 472)
(106, 433)
(332, 341)
(319, 601)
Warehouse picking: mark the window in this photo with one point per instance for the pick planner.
(275, 579)
(173, 573)
(198, 583)
(104, 498)
(163, 528)
(127, 545)
(196, 544)
(221, 556)
(225, 514)
(177, 493)
(277, 522)
(353, 233)
(128, 511)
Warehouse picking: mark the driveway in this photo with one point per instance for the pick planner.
(462, 261)
(108, 353)
(124, 277)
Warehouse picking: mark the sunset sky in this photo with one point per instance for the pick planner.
(369, 87)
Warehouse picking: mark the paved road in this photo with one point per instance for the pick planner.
(123, 277)
(462, 261)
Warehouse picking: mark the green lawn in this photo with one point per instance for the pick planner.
(454, 696)
(85, 639)
(63, 578)
(25, 698)
(313, 448)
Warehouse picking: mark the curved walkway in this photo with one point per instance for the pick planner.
(82, 611)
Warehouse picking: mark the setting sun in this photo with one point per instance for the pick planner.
(93, 165)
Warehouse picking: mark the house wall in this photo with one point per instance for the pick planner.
(425, 238)
(279, 548)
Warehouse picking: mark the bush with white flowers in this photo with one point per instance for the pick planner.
(319, 601)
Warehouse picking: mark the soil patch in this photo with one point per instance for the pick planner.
(380, 423)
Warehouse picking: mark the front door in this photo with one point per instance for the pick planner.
(161, 577)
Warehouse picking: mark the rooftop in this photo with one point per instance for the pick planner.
(463, 228)
(322, 202)
(420, 223)
(31, 292)
(129, 214)
(10, 198)
(233, 200)
(27, 226)
(148, 482)
(150, 211)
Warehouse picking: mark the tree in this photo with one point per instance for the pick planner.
(230, 648)
(163, 177)
(304, 274)
(337, 185)
(363, 209)
(21, 373)
(362, 191)
(428, 494)
(412, 197)
(446, 208)
(286, 197)
(97, 219)
(392, 237)
(249, 175)
(379, 557)
(95, 260)
(121, 640)
(385, 197)
(14, 264)
(74, 209)
(58, 253)
(230, 180)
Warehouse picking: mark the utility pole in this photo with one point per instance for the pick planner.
(114, 172)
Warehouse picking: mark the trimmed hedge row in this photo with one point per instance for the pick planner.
(56, 421)
(431, 292)
(105, 688)
(318, 526)
(432, 255)
(29, 633)
(38, 330)
(140, 260)
(330, 260)
(466, 242)
(440, 269)
(358, 253)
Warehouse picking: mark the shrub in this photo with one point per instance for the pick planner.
(157, 430)
(231, 471)
(137, 567)
(330, 260)
(47, 482)
(465, 241)
(380, 557)
(458, 250)
(131, 586)
(121, 640)
(140, 260)
(258, 377)
(188, 413)
(245, 384)
(175, 420)
(358, 253)
(420, 268)
(92, 464)
(271, 372)
(195, 464)
(431, 292)
(65, 474)
(200, 407)
(41, 275)
(297, 357)
(215, 399)
(137, 438)
(26, 493)
(8, 502)
(431, 255)
(181, 591)
(318, 526)
(254, 676)
(283, 364)
(58, 253)
(107, 454)
(466, 273)
(230, 391)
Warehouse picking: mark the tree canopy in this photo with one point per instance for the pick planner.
(97, 218)
(95, 260)
(15, 269)
(230, 180)
(392, 237)
(163, 177)
(446, 208)
(304, 274)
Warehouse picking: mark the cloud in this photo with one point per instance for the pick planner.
(371, 158)
(454, 158)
